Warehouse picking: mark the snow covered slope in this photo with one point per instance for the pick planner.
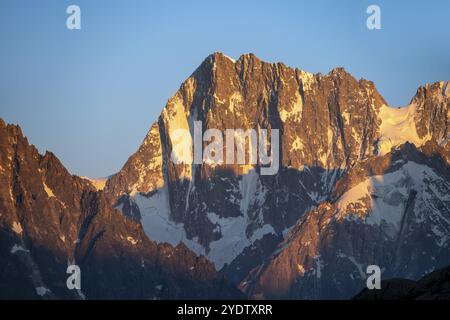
(392, 211)
(154, 210)
(328, 125)
(397, 127)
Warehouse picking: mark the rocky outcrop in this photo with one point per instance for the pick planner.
(391, 211)
(50, 219)
(358, 183)
(327, 122)
(433, 286)
(433, 114)
(230, 212)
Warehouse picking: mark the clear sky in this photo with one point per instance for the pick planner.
(90, 95)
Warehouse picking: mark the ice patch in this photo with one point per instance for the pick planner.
(397, 127)
(384, 197)
(18, 248)
(157, 224)
(17, 228)
(319, 266)
(98, 183)
(234, 239)
(132, 240)
(42, 291)
(307, 80)
(229, 58)
(49, 191)
(261, 232)
(174, 116)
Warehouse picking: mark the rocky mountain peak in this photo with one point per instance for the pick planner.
(326, 123)
(50, 219)
(356, 183)
(432, 103)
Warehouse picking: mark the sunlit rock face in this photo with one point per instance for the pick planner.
(233, 214)
(357, 183)
(391, 211)
(50, 219)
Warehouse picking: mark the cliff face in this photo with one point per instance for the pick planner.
(232, 213)
(326, 123)
(357, 183)
(50, 219)
(432, 114)
(391, 211)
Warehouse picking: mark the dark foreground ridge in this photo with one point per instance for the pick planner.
(433, 286)
(50, 219)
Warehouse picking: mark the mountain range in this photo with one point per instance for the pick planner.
(359, 183)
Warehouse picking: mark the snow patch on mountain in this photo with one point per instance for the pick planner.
(397, 127)
(247, 186)
(308, 79)
(42, 291)
(384, 198)
(157, 224)
(232, 242)
(18, 248)
(49, 191)
(229, 58)
(176, 119)
(98, 183)
(234, 230)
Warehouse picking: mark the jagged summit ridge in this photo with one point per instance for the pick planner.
(50, 219)
(247, 94)
(359, 183)
(328, 123)
(391, 211)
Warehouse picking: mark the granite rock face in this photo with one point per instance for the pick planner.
(326, 123)
(233, 214)
(358, 183)
(391, 211)
(50, 219)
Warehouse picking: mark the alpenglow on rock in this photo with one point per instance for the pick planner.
(50, 219)
(329, 125)
(359, 183)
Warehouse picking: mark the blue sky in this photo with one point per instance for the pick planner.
(90, 95)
